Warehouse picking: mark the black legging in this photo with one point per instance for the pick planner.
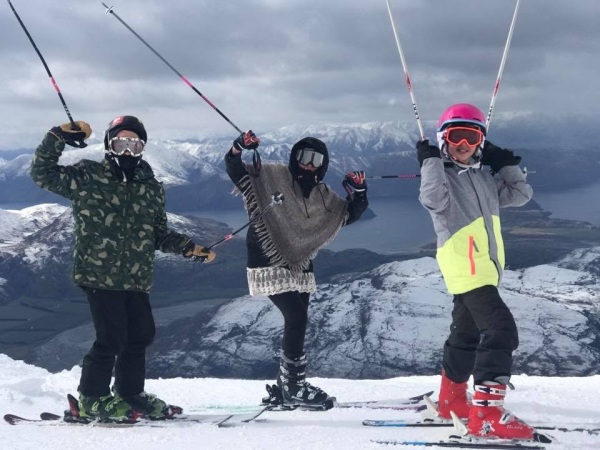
(294, 307)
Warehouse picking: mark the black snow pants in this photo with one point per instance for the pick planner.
(124, 328)
(294, 307)
(483, 336)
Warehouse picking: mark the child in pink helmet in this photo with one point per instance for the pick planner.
(464, 201)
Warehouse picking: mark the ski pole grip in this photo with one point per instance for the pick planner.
(277, 198)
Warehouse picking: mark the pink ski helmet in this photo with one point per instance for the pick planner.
(462, 113)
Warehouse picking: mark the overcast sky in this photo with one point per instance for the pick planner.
(271, 63)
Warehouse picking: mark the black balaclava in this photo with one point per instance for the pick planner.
(305, 178)
(126, 163)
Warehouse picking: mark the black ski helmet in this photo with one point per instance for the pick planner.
(121, 123)
(313, 144)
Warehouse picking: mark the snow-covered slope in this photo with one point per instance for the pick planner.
(20, 223)
(27, 390)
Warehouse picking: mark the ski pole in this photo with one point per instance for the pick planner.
(501, 70)
(401, 175)
(109, 10)
(276, 199)
(406, 74)
(418, 175)
(79, 144)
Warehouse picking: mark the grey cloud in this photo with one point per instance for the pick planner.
(271, 63)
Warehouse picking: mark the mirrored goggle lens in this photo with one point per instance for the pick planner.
(120, 145)
(308, 156)
(458, 134)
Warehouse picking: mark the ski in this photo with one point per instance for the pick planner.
(72, 417)
(409, 424)
(221, 420)
(411, 403)
(458, 444)
(404, 423)
(275, 400)
(13, 419)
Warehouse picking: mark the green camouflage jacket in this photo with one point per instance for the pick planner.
(118, 225)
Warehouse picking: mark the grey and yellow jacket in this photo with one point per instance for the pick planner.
(465, 208)
(118, 225)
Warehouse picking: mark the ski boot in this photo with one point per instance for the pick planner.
(106, 408)
(453, 397)
(273, 398)
(150, 406)
(295, 390)
(489, 419)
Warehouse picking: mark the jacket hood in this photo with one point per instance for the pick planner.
(314, 144)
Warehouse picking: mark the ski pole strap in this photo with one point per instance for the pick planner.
(256, 163)
(347, 188)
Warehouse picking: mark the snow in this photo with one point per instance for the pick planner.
(27, 390)
(19, 223)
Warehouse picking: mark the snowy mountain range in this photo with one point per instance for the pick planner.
(377, 316)
(374, 316)
(392, 321)
(193, 171)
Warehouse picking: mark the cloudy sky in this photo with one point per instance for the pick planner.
(271, 63)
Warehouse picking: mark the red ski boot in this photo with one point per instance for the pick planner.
(453, 397)
(489, 419)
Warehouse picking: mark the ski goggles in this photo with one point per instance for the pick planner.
(308, 156)
(456, 135)
(120, 145)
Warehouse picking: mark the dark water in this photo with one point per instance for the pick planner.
(576, 204)
(403, 225)
(400, 225)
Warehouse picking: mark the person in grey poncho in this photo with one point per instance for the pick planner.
(283, 242)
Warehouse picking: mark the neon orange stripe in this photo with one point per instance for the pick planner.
(471, 260)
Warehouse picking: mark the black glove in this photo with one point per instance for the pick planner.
(73, 134)
(497, 157)
(356, 180)
(246, 141)
(424, 151)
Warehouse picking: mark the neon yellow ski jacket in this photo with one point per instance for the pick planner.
(465, 208)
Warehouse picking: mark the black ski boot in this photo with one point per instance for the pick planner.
(295, 390)
(273, 397)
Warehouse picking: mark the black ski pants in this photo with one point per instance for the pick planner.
(294, 307)
(483, 336)
(124, 328)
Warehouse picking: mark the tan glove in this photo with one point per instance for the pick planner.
(72, 135)
(200, 254)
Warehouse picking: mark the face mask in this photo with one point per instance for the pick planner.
(307, 181)
(127, 163)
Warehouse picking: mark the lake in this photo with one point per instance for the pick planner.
(575, 204)
(403, 225)
(400, 225)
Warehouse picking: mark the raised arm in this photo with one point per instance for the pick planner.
(45, 170)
